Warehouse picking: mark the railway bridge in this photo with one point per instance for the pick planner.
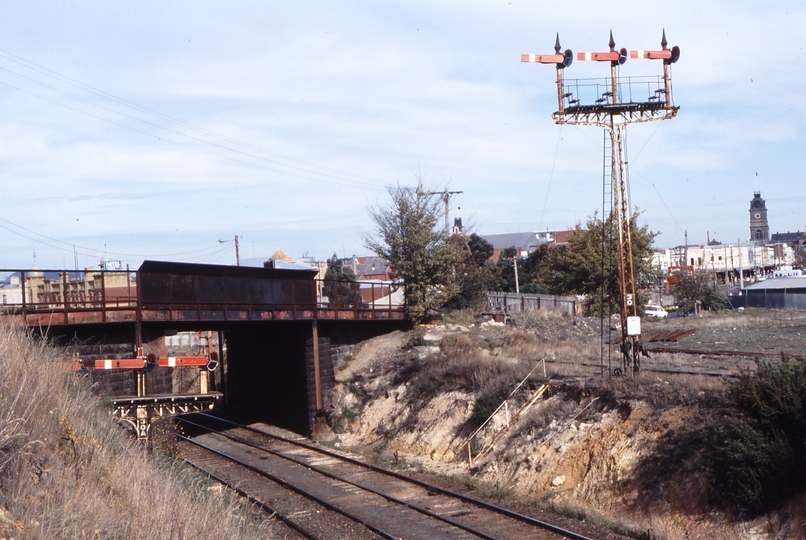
(265, 335)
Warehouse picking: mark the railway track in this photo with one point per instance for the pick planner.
(322, 494)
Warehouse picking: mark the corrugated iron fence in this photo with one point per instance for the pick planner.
(767, 299)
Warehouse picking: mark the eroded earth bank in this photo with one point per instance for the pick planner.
(627, 455)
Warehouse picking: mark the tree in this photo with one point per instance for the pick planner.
(590, 264)
(691, 288)
(480, 249)
(505, 268)
(536, 269)
(477, 274)
(418, 250)
(340, 285)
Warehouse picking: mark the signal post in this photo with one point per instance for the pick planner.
(613, 104)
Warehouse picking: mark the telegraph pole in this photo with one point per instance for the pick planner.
(613, 104)
(446, 198)
(237, 251)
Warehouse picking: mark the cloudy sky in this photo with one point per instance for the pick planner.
(151, 130)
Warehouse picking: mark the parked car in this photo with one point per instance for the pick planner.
(655, 312)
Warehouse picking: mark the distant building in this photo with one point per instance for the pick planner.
(787, 291)
(797, 241)
(86, 288)
(759, 228)
(525, 242)
(727, 262)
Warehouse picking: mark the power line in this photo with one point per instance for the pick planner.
(103, 94)
(327, 178)
(90, 252)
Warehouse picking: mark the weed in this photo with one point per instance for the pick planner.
(358, 390)
(415, 338)
(487, 403)
(456, 345)
(380, 448)
(62, 457)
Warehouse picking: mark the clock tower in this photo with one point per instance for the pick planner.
(759, 229)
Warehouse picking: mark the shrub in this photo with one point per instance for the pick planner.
(758, 449)
(456, 345)
(415, 338)
(487, 403)
(688, 289)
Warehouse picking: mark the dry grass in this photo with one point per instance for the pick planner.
(68, 471)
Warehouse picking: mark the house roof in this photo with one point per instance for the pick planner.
(527, 241)
(789, 237)
(789, 282)
(523, 240)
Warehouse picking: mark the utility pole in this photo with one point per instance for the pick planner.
(446, 198)
(685, 265)
(237, 251)
(613, 104)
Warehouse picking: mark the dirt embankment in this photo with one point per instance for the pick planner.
(592, 447)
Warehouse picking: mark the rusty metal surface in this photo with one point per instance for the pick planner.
(182, 292)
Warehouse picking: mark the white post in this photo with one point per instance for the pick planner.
(741, 270)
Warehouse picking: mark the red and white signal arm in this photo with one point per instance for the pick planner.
(669, 56)
(561, 60)
(619, 56)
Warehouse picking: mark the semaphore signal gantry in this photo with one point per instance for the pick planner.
(612, 104)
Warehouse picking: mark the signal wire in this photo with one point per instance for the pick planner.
(551, 175)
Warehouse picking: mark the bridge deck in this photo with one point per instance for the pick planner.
(180, 292)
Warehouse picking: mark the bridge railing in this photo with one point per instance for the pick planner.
(30, 292)
(358, 299)
(26, 291)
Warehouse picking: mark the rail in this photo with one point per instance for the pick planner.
(432, 490)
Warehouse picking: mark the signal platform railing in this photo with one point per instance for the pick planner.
(582, 93)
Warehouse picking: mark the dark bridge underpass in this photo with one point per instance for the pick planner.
(265, 318)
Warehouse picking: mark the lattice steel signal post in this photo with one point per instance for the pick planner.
(613, 104)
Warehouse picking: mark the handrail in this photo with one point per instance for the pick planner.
(28, 292)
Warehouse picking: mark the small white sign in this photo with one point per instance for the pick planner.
(629, 299)
(633, 326)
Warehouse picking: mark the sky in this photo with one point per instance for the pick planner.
(153, 130)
